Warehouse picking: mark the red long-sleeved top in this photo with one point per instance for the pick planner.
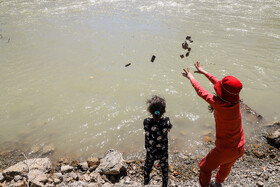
(229, 130)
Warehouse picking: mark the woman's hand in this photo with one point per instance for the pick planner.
(199, 68)
(188, 74)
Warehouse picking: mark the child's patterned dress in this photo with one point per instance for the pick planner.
(156, 144)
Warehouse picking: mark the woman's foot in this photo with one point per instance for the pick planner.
(146, 180)
(213, 183)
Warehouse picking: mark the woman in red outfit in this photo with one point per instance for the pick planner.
(230, 143)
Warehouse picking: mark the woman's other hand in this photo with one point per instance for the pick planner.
(187, 74)
(199, 68)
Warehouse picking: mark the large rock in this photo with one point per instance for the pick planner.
(112, 163)
(274, 138)
(21, 168)
(274, 126)
(249, 114)
(37, 178)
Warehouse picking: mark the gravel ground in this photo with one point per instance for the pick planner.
(259, 166)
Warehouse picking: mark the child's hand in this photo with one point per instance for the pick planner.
(188, 74)
(199, 68)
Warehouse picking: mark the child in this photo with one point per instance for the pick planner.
(230, 143)
(156, 140)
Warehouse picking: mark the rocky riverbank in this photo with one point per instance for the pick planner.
(259, 166)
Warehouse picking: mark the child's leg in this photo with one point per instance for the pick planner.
(224, 169)
(148, 167)
(164, 169)
(209, 163)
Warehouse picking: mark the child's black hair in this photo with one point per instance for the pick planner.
(156, 106)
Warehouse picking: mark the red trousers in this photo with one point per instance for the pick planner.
(217, 157)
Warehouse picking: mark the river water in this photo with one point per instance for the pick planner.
(64, 81)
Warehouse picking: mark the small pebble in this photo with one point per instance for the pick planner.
(1, 177)
(17, 178)
(260, 184)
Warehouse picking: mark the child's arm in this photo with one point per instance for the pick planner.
(146, 124)
(204, 94)
(167, 124)
(200, 70)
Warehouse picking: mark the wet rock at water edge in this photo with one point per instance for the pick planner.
(21, 168)
(250, 115)
(112, 163)
(48, 149)
(75, 163)
(208, 139)
(62, 161)
(274, 126)
(274, 138)
(5, 153)
(35, 150)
